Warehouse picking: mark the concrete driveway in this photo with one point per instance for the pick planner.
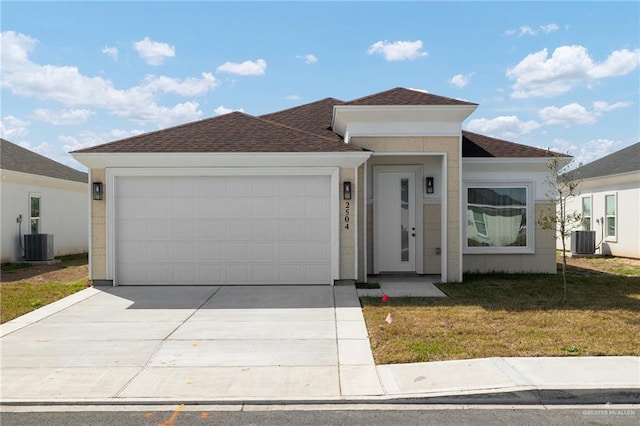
(192, 343)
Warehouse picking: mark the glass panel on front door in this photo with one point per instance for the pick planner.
(404, 220)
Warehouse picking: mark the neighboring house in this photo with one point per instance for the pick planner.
(50, 198)
(321, 192)
(609, 201)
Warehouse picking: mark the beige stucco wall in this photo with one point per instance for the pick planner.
(449, 145)
(99, 229)
(543, 261)
(361, 212)
(431, 238)
(348, 236)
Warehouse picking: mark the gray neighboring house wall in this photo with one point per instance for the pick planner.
(609, 201)
(57, 193)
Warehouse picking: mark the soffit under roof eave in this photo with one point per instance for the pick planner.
(217, 159)
(344, 114)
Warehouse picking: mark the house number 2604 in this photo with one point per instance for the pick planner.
(347, 218)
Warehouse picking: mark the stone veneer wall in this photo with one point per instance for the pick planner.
(543, 261)
(440, 144)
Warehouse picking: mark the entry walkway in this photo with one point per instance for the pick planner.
(403, 285)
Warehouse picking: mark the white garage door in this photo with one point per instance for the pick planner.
(223, 230)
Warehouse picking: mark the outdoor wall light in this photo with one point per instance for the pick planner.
(429, 182)
(346, 190)
(97, 190)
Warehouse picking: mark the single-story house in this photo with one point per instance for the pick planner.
(326, 191)
(41, 196)
(609, 201)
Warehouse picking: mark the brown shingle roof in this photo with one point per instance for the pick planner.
(402, 96)
(16, 158)
(234, 132)
(314, 117)
(475, 145)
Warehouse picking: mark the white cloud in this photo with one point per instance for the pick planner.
(245, 68)
(15, 49)
(606, 106)
(111, 51)
(88, 138)
(66, 85)
(595, 149)
(190, 86)
(567, 115)
(549, 28)
(221, 110)
(529, 30)
(308, 59)
(504, 126)
(64, 117)
(293, 97)
(398, 51)
(587, 152)
(540, 75)
(459, 80)
(12, 128)
(154, 52)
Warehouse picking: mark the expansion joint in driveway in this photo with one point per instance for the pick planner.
(155, 351)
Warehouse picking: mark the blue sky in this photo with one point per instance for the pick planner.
(555, 75)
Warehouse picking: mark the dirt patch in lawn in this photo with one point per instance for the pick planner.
(24, 288)
(598, 265)
(73, 269)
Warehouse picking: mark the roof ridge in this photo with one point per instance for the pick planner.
(555, 154)
(294, 128)
(300, 106)
(407, 89)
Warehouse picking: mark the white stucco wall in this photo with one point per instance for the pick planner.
(627, 190)
(64, 207)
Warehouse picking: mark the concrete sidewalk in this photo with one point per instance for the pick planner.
(280, 344)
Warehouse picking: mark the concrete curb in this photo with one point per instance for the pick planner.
(516, 398)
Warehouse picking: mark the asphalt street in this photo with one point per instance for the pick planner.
(536, 415)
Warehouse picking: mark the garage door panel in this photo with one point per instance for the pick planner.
(223, 230)
(212, 252)
(264, 252)
(238, 230)
(238, 207)
(185, 187)
(316, 186)
(159, 230)
(264, 230)
(184, 230)
(184, 208)
(159, 252)
(264, 208)
(237, 251)
(292, 229)
(212, 208)
(132, 230)
(132, 208)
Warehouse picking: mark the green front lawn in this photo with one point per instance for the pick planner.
(507, 316)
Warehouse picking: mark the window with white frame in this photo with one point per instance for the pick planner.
(586, 213)
(499, 218)
(610, 216)
(34, 208)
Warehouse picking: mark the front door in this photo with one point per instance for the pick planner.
(395, 232)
